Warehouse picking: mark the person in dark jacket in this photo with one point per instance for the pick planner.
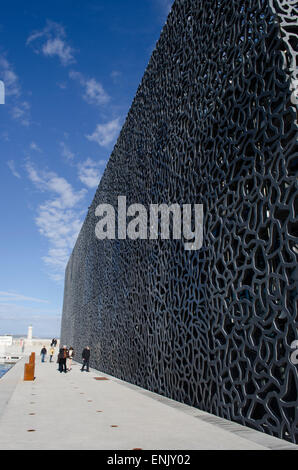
(86, 358)
(43, 353)
(62, 356)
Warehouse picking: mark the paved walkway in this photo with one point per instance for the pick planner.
(75, 411)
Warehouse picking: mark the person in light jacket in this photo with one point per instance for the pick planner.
(52, 351)
(70, 357)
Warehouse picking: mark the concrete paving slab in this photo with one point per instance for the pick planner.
(73, 411)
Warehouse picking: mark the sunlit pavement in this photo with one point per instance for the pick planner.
(80, 410)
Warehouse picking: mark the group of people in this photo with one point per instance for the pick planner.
(65, 357)
(43, 353)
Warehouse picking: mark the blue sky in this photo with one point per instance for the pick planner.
(71, 70)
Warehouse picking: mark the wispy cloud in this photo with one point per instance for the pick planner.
(115, 75)
(51, 42)
(61, 228)
(19, 108)
(66, 152)
(106, 134)
(13, 296)
(50, 182)
(4, 136)
(62, 85)
(9, 77)
(59, 218)
(94, 92)
(34, 146)
(90, 172)
(11, 166)
(20, 111)
(46, 322)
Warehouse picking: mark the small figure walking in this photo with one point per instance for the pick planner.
(70, 357)
(52, 351)
(86, 358)
(62, 356)
(43, 353)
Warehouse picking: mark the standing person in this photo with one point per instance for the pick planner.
(62, 356)
(43, 353)
(86, 358)
(70, 357)
(52, 350)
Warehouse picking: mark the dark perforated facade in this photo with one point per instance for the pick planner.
(213, 122)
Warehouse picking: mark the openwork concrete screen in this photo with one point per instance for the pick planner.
(213, 122)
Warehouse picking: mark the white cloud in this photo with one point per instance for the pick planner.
(58, 47)
(106, 134)
(89, 172)
(20, 112)
(57, 277)
(13, 296)
(18, 107)
(9, 77)
(94, 92)
(11, 165)
(34, 146)
(66, 152)
(66, 197)
(61, 228)
(51, 42)
(33, 175)
(58, 219)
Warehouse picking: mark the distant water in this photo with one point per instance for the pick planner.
(4, 368)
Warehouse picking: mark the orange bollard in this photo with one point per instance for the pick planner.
(30, 368)
(32, 357)
(29, 372)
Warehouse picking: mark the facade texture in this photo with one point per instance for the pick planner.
(213, 122)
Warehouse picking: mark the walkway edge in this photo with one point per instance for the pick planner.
(9, 382)
(272, 443)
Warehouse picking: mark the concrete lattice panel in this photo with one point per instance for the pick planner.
(213, 122)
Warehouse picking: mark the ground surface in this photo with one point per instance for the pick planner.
(76, 411)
